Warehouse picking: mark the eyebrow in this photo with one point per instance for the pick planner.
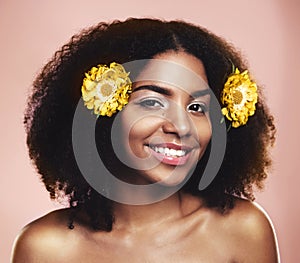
(167, 92)
(201, 93)
(155, 89)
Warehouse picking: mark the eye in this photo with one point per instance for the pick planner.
(151, 103)
(197, 107)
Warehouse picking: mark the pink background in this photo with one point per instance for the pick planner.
(267, 32)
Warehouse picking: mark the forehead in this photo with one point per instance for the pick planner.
(172, 69)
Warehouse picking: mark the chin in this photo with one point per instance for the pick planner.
(169, 176)
(174, 181)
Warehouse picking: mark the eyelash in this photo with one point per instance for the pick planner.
(202, 106)
(150, 103)
(156, 104)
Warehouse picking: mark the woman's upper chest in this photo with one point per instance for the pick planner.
(174, 244)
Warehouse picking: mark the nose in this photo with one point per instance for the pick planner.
(177, 122)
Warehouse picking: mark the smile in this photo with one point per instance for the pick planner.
(171, 154)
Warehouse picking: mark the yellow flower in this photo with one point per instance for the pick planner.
(106, 89)
(239, 97)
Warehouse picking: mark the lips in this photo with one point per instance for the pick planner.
(170, 153)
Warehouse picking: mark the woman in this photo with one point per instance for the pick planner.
(154, 87)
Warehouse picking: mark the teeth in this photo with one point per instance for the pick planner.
(169, 152)
(173, 152)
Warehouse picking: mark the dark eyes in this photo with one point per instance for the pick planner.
(197, 107)
(151, 103)
(194, 107)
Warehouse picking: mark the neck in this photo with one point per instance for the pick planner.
(140, 216)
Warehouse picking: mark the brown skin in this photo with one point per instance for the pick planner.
(167, 120)
(189, 232)
(178, 229)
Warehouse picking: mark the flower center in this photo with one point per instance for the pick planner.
(106, 90)
(237, 97)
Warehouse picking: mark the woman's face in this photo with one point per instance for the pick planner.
(166, 126)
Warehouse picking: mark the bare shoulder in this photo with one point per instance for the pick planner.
(251, 219)
(45, 239)
(252, 232)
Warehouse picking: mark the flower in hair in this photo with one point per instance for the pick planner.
(239, 97)
(106, 89)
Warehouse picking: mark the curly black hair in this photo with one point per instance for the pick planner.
(57, 90)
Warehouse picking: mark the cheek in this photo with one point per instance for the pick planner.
(136, 132)
(143, 128)
(204, 132)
